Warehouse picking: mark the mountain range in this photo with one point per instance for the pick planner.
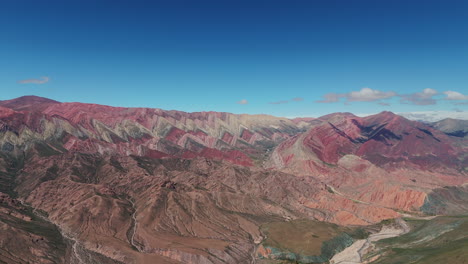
(87, 183)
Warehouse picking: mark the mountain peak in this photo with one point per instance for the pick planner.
(389, 113)
(385, 115)
(28, 102)
(338, 115)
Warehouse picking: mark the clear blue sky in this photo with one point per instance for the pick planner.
(210, 55)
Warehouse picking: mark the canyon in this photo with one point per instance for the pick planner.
(87, 183)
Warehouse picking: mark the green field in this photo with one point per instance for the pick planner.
(443, 239)
(307, 241)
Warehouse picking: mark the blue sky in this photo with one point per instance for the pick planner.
(239, 56)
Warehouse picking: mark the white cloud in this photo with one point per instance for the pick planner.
(421, 98)
(368, 95)
(452, 95)
(427, 96)
(243, 102)
(363, 95)
(428, 92)
(40, 80)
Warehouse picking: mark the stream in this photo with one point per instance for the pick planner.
(75, 257)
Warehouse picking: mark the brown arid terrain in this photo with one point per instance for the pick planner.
(85, 183)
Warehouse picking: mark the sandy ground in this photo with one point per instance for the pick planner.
(353, 254)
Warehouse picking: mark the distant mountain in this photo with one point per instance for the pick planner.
(452, 127)
(87, 183)
(435, 116)
(383, 139)
(28, 103)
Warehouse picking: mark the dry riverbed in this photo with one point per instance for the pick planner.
(354, 253)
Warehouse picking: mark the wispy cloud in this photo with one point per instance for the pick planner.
(383, 104)
(243, 102)
(422, 98)
(331, 98)
(40, 80)
(295, 99)
(280, 102)
(452, 95)
(363, 95)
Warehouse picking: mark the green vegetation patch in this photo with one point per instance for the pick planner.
(39, 227)
(443, 239)
(308, 241)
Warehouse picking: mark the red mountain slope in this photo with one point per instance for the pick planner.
(381, 159)
(141, 185)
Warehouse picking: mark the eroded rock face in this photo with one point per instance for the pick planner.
(89, 128)
(139, 185)
(382, 159)
(384, 139)
(212, 214)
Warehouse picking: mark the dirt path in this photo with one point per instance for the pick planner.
(354, 253)
(134, 227)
